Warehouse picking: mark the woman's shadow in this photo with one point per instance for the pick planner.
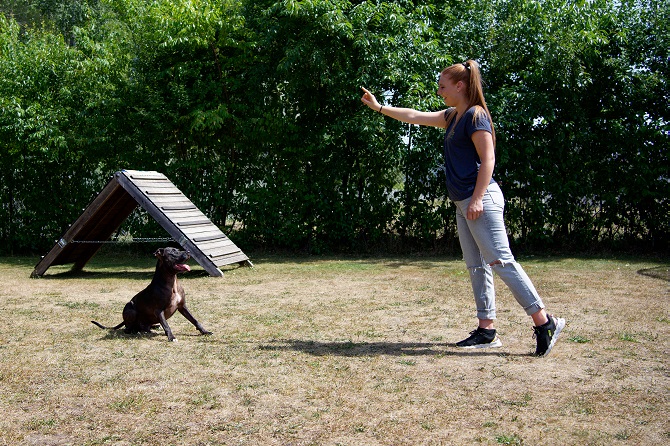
(353, 349)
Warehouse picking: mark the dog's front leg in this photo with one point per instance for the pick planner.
(187, 314)
(166, 327)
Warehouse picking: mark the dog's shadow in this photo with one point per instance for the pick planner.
(156, 331)
(355, 349)
(120, 334)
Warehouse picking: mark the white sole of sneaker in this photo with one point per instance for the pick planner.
(493, 344)
(560, 324)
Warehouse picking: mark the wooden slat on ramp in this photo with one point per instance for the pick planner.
(156, 194)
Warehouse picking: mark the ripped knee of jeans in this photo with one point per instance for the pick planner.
(501, 263)
(477, 269)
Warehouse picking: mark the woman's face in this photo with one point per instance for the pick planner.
(449, 91)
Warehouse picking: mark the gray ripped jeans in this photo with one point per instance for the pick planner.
(486, 249)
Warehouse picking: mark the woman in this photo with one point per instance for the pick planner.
(469, 155)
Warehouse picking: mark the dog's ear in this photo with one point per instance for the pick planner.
(159, 252)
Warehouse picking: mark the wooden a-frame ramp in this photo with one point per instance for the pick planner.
(127, 189)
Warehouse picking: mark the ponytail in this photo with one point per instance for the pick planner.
(468, 73)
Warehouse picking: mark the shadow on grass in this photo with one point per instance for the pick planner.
(658, 272)
(130, 275)
(390, 261)
(156, 331)
(350, 348)
(111, 334)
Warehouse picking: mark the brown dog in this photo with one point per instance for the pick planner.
(158, 301)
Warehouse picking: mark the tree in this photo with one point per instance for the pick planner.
(574, 139)
(334, 178)
(253, 109)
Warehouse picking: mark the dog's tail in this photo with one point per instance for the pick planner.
(109, 328)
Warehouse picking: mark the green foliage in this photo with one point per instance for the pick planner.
(351, 188)
(252, 108)
(184, 104)
(583, 146)
(47, 90)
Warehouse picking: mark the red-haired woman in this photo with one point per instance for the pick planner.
(469, 158)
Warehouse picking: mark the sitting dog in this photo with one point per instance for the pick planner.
(158, 301)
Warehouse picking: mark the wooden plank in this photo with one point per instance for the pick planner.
(218, 238)
(148, 178)
(102, 225)
(178, 217)
(150, 207)
(138, 175)
(108, 193)
(215, 244)
(222, 251)
(218, 247)
(203, 222)
(226, 255)
(157, 195)
(179, 208)
(170, 201)
(229, 260)
(146, 201)
(168, 191)
(195, 234)
(155, 184)
(195, 230)
(161, 201)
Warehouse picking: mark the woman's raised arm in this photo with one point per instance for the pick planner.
(411, 116)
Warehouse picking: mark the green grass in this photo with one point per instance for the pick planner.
(579, 339)
(509, 439)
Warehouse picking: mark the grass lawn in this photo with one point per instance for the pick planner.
(334, 351)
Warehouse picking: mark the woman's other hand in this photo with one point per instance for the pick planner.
(475, 209)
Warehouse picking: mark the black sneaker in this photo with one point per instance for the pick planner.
(481, 338)
(547, 335)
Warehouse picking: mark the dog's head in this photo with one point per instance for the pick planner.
(173, 259)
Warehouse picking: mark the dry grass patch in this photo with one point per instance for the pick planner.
(333, 352)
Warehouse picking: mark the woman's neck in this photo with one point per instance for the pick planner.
(461, 107)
